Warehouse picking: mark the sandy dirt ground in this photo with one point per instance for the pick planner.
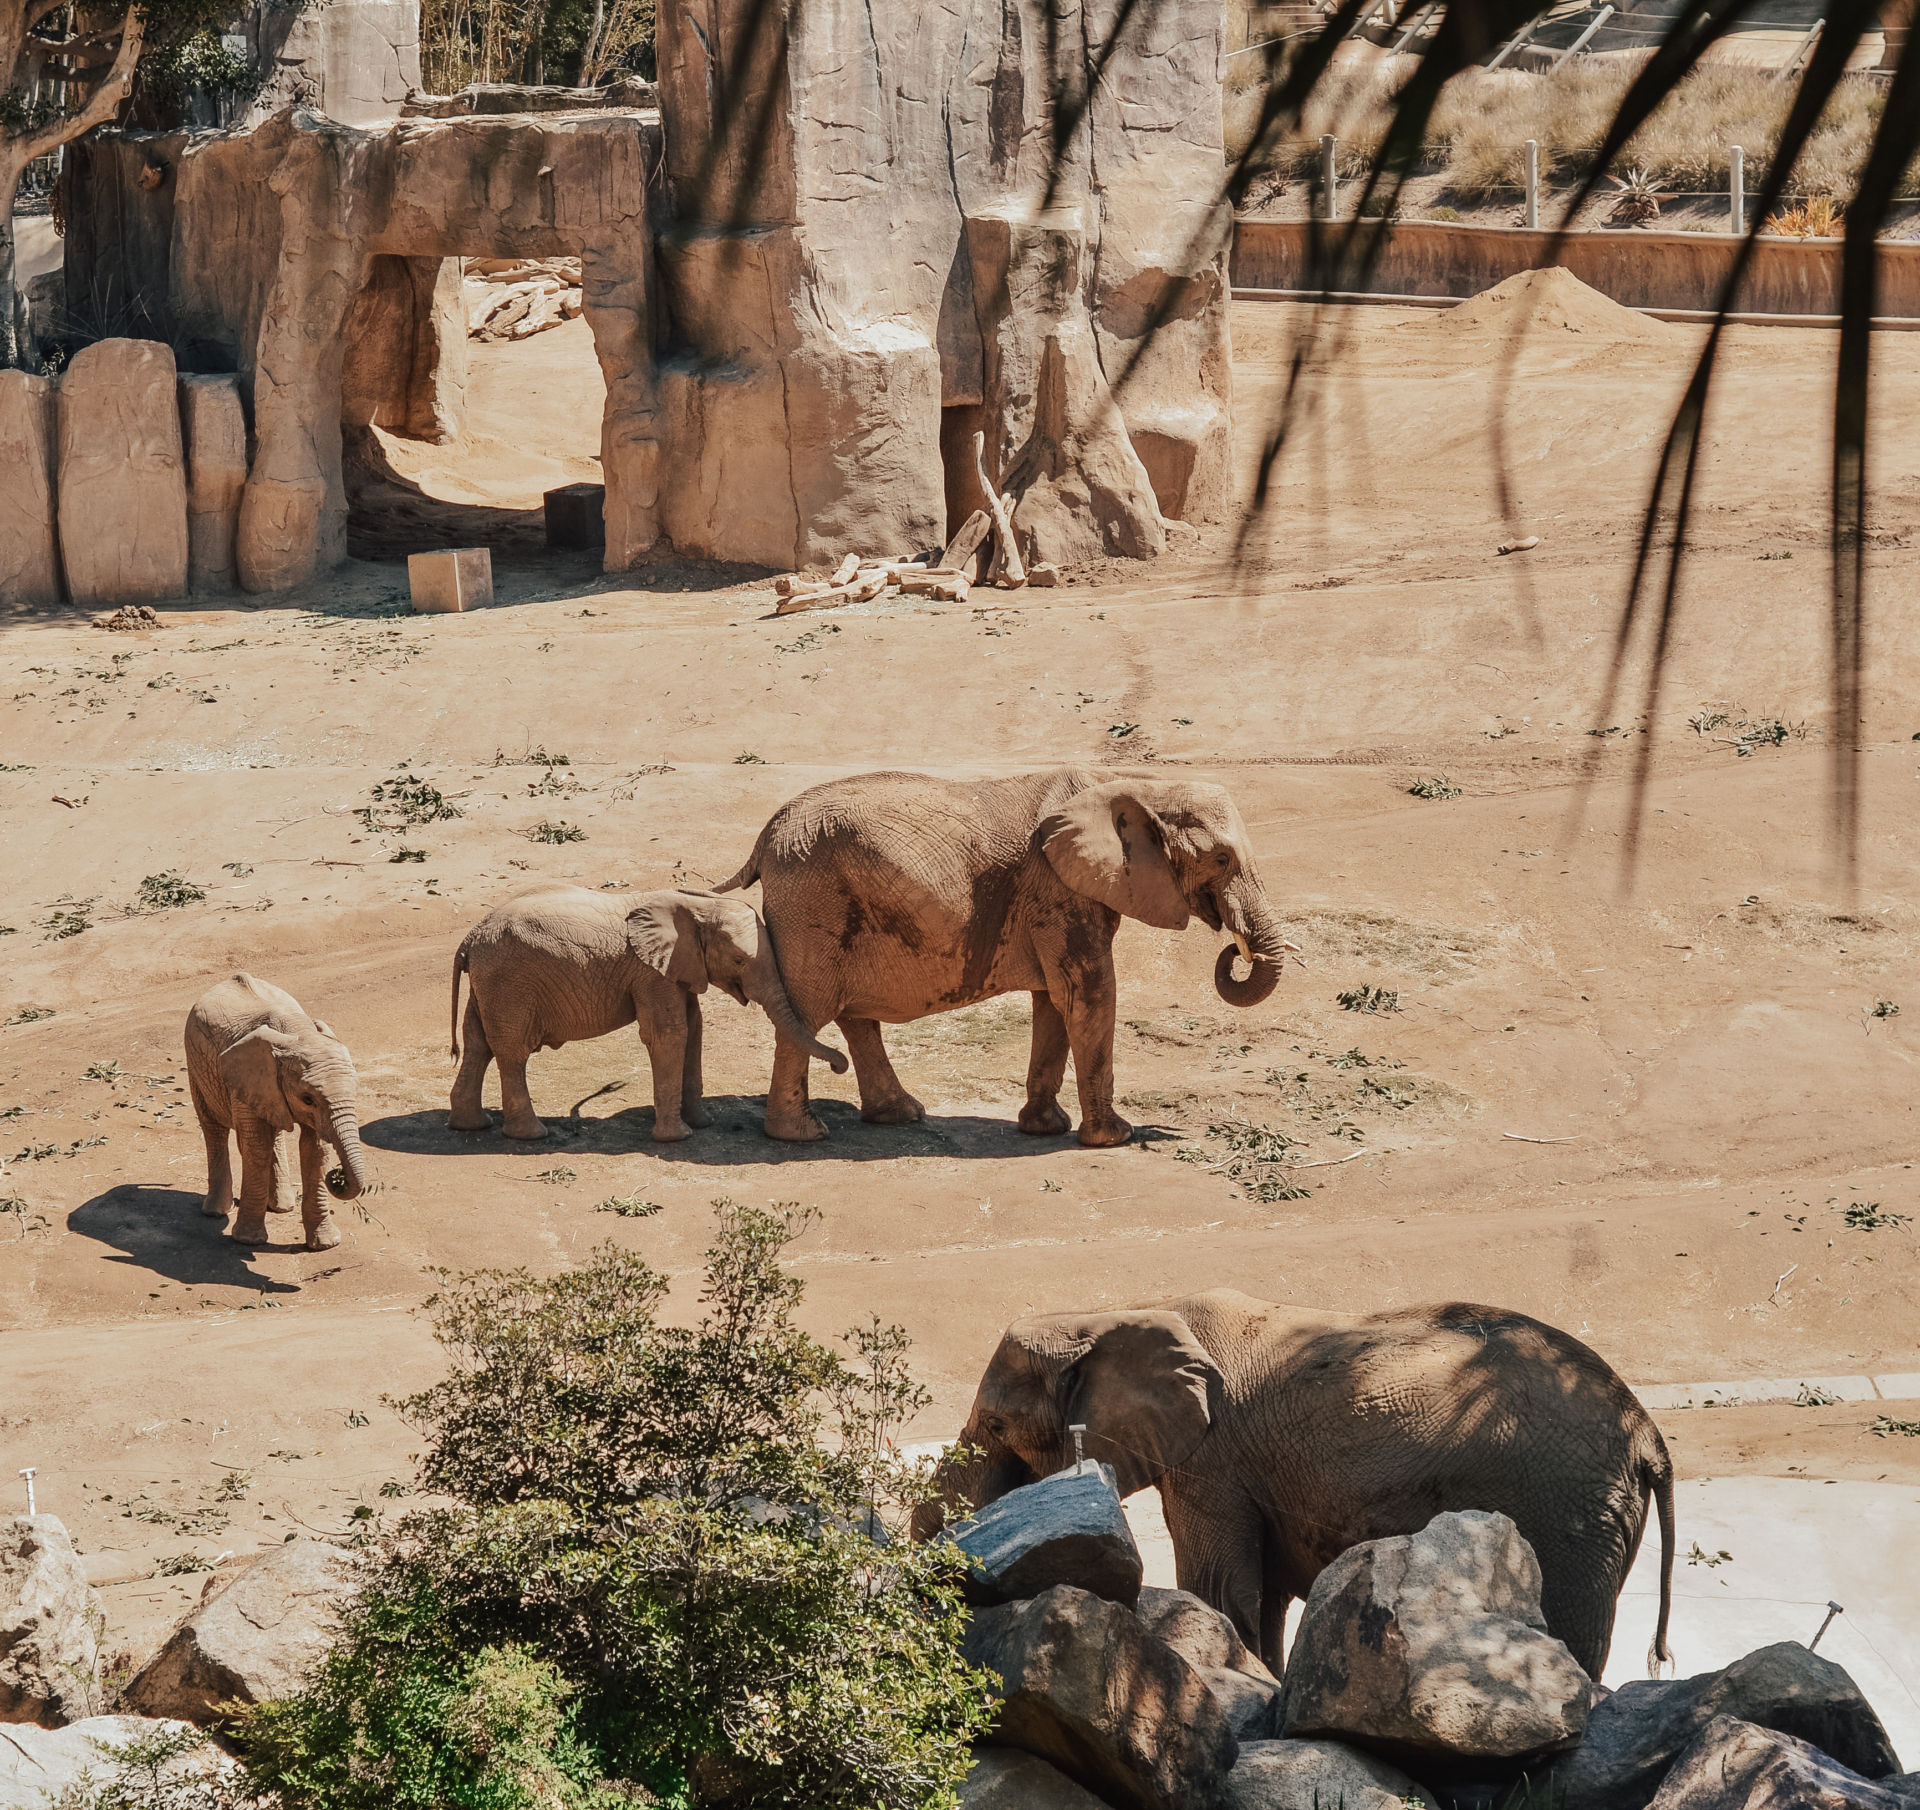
(1675, 1117)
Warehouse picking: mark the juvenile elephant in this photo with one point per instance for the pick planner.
(891, 896)
(555, 964)
(260, 1068)
(1280, 1436)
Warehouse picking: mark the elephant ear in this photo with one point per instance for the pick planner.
(250, 1068)
(662, 932)
(1145, 1390)
(1107, 844)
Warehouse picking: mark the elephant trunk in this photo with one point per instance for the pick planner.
(1256, 935)
(345, 1138)
(977, 1470)
(769, 992)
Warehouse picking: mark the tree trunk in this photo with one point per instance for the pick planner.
(15, 342)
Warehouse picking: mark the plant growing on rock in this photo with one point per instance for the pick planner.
(663, 1577)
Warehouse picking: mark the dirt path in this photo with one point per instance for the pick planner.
(1643, 1115)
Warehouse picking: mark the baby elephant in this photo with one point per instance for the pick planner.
(259, 1067)
(555, 964)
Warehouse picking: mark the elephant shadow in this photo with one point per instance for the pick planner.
(164, 1231)
(734, 1137)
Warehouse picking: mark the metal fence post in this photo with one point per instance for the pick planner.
(1737, 189)
(1533, 184)
(1329, 178)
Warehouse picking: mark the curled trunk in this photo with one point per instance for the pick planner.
(345, 1138)
(1256, 934)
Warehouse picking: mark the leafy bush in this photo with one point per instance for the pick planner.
(665, 1576)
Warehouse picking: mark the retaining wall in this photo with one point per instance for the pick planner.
(1636, 268)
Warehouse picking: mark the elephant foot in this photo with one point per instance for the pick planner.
(1101, 1133)
(324, 1236)
(901, 1109)
(669, 1132)
(284, 1206)
(468, 1118)
(802, 1128)
(529, 1130)
(252, 1233)
(215, 1209)
(1043, 1119)
(696, 1115)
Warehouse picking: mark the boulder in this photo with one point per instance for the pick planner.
(1088, 1689)
(1197, 1631)
(1251, 1705)
(1905, 1786)
(1634, 1736)
(123, 477)
(1003, 1778)
(1433, 1644)
(1736, 1765)
(214, 429)
(257, 1638)
(38, 1764)
(1065, 1529)
(29, 545)
(1318, 1775)
(50, 1626)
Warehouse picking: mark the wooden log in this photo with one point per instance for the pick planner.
(1009, 572)
(966, 541)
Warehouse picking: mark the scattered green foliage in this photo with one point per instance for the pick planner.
(533, 757)
(180, 1564)
(1867, 1216)
(1813, 1396)
(556, 832)
(559, 1175)
(1704, 722)
(1434, 785)
(1712, 1560)
(357, 1418)
(60, 925)
(241, 870)
(233, 1486)
(1369, 999)
(748, 760)
(657, 1581)
(1254, 1157)
(167, 891)
(29, 1015)
(176, 1767)
(17, 1207)
(1120, 731)
(628, 1206)
(407, 854)
(104, 1071)
(1884, 1008)
(393, 1491)
(406, 800)
(1884, 1426)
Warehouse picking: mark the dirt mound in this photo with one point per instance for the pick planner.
(1541, 301)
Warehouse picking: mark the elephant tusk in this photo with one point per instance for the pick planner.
(1246, 952)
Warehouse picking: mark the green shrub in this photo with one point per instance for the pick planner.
(657, 1580)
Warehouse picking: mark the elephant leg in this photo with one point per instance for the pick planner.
(286, 1172)
(693, 1083)
(789, 1117)
(518, 1119)
(1089, 1011)
(665, 1032)
(883, 1101)
(1276, 1598)
(1216, 1557)
(257, 1185)
(1041, 1117)
(219, 1194)
(316, 1212)
(467, 1114)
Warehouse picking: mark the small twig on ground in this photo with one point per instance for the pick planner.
(1775, 1296)
(1332, 1162)
(1520, 1137)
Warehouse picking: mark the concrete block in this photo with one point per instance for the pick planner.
(577, 516)
(29, 544)
(213, 427)
(460, 578)
(123, 478)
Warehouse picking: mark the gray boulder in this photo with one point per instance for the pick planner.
(1005, 1779)
(1318, 1775)
(1433, 1644)
(1065, 1529)
(50, 1626)
(1635, 1735)
(1251, 1705)
(38, 1764)
(1197, 1631)
(258, 1638)
(1086, 1688)
(1905, 1786)
(1736, 1765)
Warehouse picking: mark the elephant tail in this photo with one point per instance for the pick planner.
(1656, 1477)
(749, 873)
(459, 968)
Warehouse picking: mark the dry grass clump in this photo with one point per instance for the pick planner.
(1860, 935)
(1434, 951)
(1484, 118)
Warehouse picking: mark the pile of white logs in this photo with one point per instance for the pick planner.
(984, 551)
(515, 298)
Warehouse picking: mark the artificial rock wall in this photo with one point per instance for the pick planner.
(806, 301)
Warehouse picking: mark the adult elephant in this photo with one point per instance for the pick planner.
(260, 1069)
(1280, 1436)
(890, 896)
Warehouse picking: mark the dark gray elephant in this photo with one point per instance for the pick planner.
(890, 896)
(259, 1068)
(1280, 1436)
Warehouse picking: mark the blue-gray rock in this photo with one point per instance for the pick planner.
(1065, 1529)
(1736, 1765)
